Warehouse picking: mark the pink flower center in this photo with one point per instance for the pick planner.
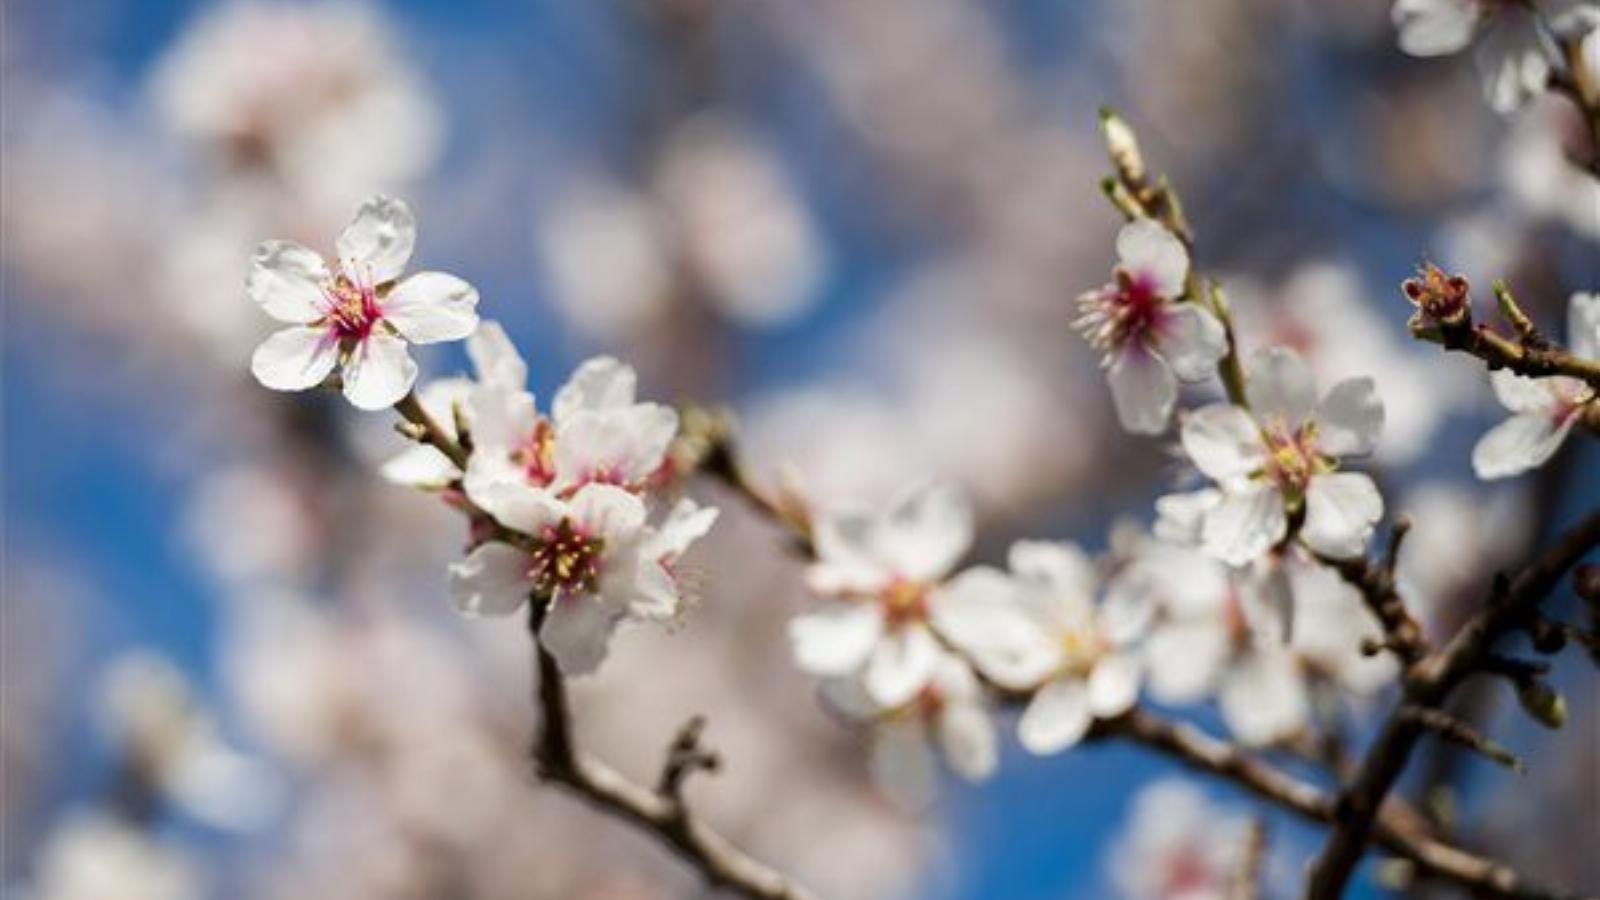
(1187, 872)
(1131, 309)
(1292, 457)
(566, 561)
(536, 455)
(352, 308)
(904, 601)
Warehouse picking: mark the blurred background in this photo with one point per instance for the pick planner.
(227, 666)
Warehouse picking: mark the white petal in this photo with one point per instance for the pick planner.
(901, 665)
(430, 307)
(1223, 440)
(503, 420)
(1151, 251)
(836, 640)
(926, 532)
(495, 359)
(1249, 520)
(967, 736)
(517, 505)
(1056, 718)
(978, 613)
(650, 592)
(619, 446)
(420, 466)
(491, 581)
(847, 562)
(1521, 394)
(1179, 516)
(1264, 699)
(607, 512)
(375, 246)
(1341, 510)
(1058, 565)
(379, 372)
(577, 632)
(295, 358)
(1350, 418)
(686, 523)
(1520, 443)
(1114, 685)
(1280, 386)
(1583, 311)
(1143, 389)
(1511, 60)
(600, 383)
(1192, 340)
(1185, 659)
(286, 279)
(1435, 27)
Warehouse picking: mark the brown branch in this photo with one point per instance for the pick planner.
(1377, 586)
(1564, 81)
(424, 429)
(1427, 685)
(1446, 319)
(1253, 858)
(661, 813)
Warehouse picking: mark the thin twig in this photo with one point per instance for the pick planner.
(1252, 859)
(1427, 685)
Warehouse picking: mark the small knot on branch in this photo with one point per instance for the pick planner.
(685, 756)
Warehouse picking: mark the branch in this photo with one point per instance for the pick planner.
(1427, 686)
(1444, 317)
(661, 813)
(1402, 634)
(421, 427)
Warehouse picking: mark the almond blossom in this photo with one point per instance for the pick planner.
(596, 433)
(1178, 846)
(883, 569)
(1149, 337)
(359, 316)
(592, 560)
(1514, 48)
(1078, 655)
(1544, 410)
(1278, 462)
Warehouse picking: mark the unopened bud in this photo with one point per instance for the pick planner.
(1124, 147)
(1543, 702)
(1441, 299)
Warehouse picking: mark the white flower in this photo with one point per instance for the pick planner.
(1149, 338)
(593, 560)
(950, 712)
(1281, 457)
(596, 433)
(92, 856)
(884, 567)
(497, 365)
(1544, 409)
(1214, 634)
(1514, 51)
(1177, 846)
(360, 317)
(1040, 629)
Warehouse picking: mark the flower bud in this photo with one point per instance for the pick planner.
(1543, 702)
(1442, 300)
(1124, 147)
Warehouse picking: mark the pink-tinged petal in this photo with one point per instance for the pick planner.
(901, 665)
(1342, 508)
(601, 383)
(491, 581)
(1056, 718)
(1143, 389)
(375, 247)
(967, 736)
(577, 632)
(517, 505)
(607, 512)
(1583, 311)
(495, 359)
(379, 372)
(1435, 27)
(1263, 699)
(1191, 340)
(295, 358)
(836, 640)
(1152, 252)
(1521, 443)
(1524, 395)
(1224, 441)
(925, 532)
(1249, 520)
(1186, 658)
(1114, 685)
(1350, 418)
(430, 307)
(286, 280)
(1280, 386)
(621, 446)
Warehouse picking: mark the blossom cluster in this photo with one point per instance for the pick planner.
(568, 506)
